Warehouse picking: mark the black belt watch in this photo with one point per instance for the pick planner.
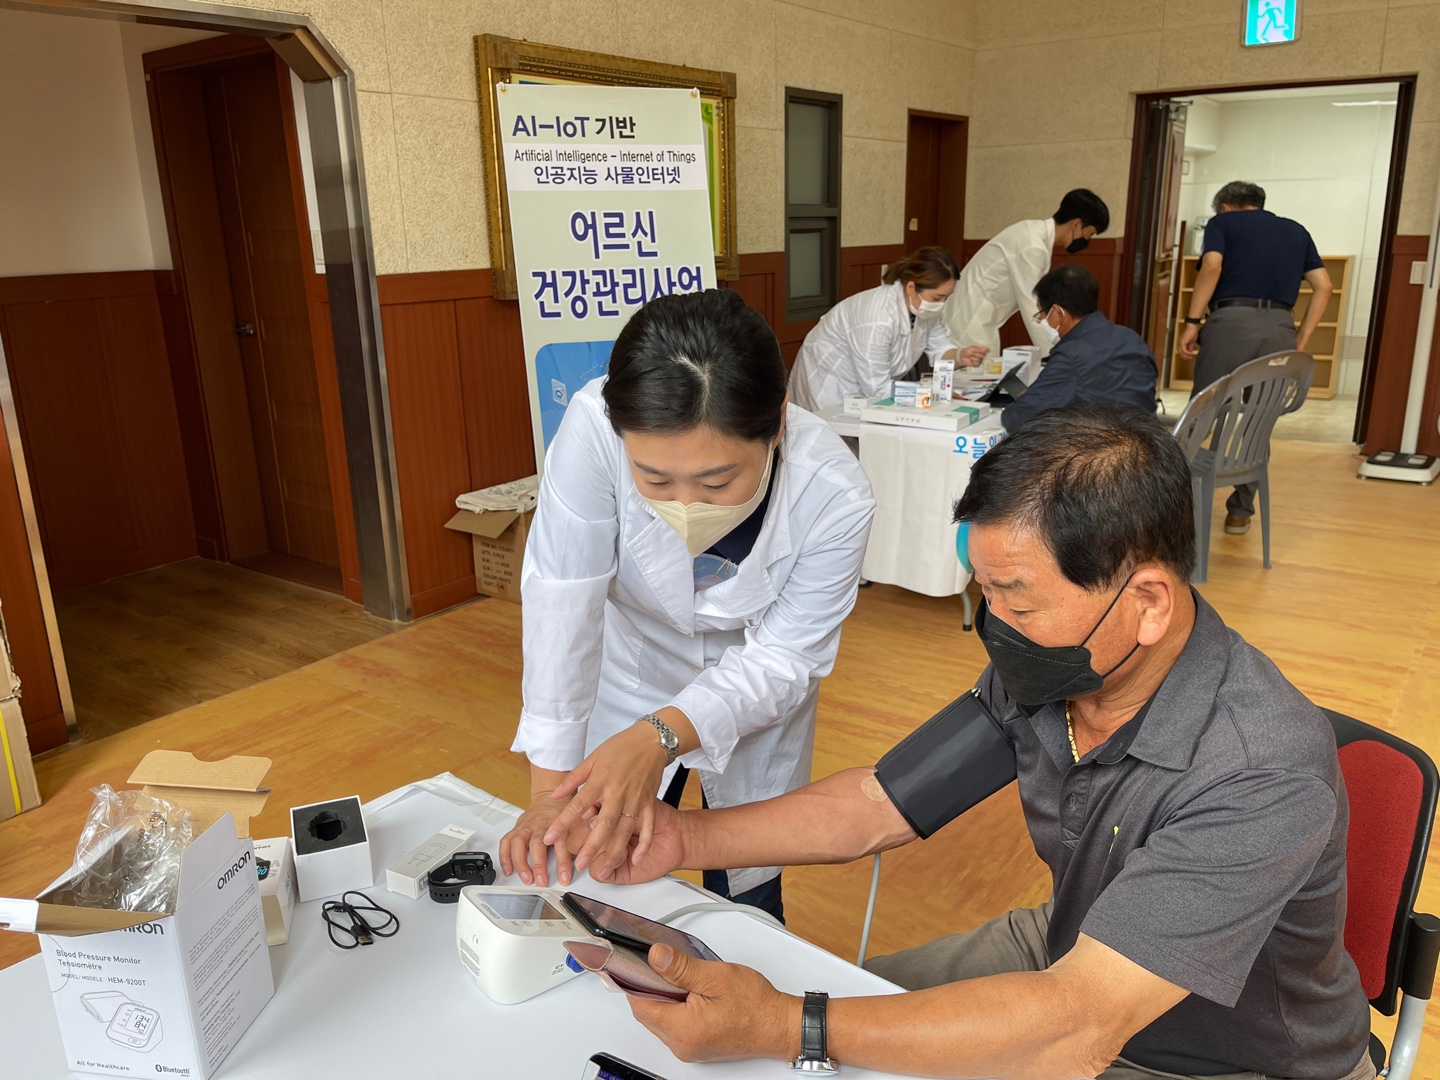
(466, 868)
(813, 1057)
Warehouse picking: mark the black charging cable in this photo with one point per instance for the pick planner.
(349, 919)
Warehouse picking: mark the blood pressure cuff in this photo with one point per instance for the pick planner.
(957, 758)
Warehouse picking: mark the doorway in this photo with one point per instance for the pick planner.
(93, 333)
(230, 174)
(935, 155)
(1329, 156)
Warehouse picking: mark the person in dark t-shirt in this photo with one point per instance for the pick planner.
(1250, 271)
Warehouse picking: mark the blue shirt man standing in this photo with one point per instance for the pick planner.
(1094, 361)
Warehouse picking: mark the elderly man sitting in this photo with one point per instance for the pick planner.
(1185, 796)
(1094, 361)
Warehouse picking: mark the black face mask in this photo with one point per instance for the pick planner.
(1079, 244)
(1039, 674)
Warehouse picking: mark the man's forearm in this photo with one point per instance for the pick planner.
(1019, 1024)
(843, 817)
(1205, 281)
(1313, 314)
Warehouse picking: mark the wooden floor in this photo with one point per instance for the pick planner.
(155, 642)
(1350, 612)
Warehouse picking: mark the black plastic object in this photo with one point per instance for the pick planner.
(327, 826)
(957, 758)
(1422, 950)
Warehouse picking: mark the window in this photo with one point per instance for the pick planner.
(812, 203)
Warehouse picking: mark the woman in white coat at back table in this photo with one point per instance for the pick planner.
(696, 546)
(866, 341)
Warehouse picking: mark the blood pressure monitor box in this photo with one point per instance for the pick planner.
(142, 994)
(275, 866)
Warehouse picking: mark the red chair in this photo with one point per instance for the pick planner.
(1392, 787)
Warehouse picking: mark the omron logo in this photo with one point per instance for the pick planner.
(146, 928)
(229, 875)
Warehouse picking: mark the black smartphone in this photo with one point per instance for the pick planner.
(607, 1067)
(635, 931)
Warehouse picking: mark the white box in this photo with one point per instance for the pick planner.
(951, 416)
(409, 874)
(332, 848)
(139, 994)
(277, 888)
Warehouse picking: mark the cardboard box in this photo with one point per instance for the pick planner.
(277, 887)
(141, 994)
(949, 416)
(18, 790)
(499, 542)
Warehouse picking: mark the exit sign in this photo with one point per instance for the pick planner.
(1271, 22)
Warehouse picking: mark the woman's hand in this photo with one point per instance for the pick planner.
(620, 782)
(523, 849)
(973, 355)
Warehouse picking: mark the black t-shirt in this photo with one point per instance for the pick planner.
(1265, 257)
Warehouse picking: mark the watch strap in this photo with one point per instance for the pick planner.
(668, 736)
(814, 1049)
(466, 868)
(1191, 320)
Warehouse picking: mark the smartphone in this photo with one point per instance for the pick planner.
(627, 928)
(606, 1067)
(624, 970)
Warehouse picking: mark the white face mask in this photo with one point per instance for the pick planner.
(701, 524)
(931, 307)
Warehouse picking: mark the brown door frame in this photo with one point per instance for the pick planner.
(1399, 144)
(964, 169)
(215, 54)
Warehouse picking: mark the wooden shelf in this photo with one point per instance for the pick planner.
(1180, 371)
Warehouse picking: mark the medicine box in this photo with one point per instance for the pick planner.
(146, 994)
(498, 545)
(409, 874)
(946, 416)
(332, 848)
(275, 867)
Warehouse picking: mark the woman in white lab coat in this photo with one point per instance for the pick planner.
(868, 340)
(695, 549)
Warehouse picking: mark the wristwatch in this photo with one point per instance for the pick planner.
(813, 1057)
(466, 868)
(1191, 320)
(668, 739)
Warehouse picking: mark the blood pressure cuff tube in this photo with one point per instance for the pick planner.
(957, 758)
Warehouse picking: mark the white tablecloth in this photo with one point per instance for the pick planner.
(405, 1007)
(917, 475)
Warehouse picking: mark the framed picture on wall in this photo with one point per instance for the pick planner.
(509, 60)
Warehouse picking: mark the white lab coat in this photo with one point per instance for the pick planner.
(860, 346)
(999, 281)
(613, 626)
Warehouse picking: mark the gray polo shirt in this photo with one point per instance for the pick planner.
(1205, 841)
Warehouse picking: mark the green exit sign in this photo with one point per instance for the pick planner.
(1271, 22)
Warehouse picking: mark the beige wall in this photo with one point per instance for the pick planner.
(414, 65)
(1053, 107)
(71, 194)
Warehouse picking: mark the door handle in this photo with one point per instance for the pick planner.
(244, 329)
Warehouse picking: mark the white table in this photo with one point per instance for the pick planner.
(405, 1007)
(916, 474)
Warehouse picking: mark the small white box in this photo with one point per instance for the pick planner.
(332, 848)
(277, 887)
(408, 875)
(155, 995)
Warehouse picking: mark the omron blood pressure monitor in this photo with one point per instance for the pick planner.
(512, 939)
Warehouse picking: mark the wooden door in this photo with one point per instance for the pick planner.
(266, 257)
(1164, 254)
(935, 157)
